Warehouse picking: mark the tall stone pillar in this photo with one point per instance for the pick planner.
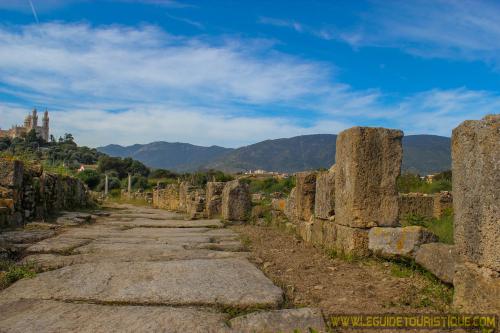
(476, 205)
(368, 162)
(129, 188)
(106, 186)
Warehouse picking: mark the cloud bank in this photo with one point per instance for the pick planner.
(119, 84)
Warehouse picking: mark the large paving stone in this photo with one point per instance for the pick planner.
(368, 162)
(25, 236)
(283, 321)
(145, 222)
(476, 190)
(226, 282)
(49, 261)
(26, 316)
(439, 259)
(57, 244)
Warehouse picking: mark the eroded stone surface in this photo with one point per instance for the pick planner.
(52, 316)
(228, 282)
(476, 190)
(146, 222)
(283, 321)
(236, 201)
(57, 244)
(399, 242)
(439, 259)
(368, 161)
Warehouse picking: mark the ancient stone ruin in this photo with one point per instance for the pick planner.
(476, 189)
(29, 192)
(228, 200)
(354, 208)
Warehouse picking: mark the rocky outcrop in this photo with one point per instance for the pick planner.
(476, 191)
(236, 201)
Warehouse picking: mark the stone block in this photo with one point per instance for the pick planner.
(305, 195)
(477, 289)
(439, 259)
(236, 201)
(304, 230)
(398, 242)
(368, 161)
(279, 204)
(318, 232)
(8, 203)
(184, 188)
(329, 235)
(214, 199)
(11, 173)
(324, 206)
(476, 190)
(351, 241)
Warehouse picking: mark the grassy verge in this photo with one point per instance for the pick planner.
(11, 272)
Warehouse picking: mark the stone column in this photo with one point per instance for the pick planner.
(129, 188)
(476, 206)
(106, 186)
(368, 162)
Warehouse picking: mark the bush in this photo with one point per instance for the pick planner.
(409, 182)
(89, 177)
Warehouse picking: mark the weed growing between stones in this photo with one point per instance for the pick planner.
(432, 293)
(442, 227)
(11, 272)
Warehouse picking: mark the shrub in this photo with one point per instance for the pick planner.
(89, 177)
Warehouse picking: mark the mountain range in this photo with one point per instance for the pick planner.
(423, 154)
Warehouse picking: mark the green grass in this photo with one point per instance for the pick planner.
(433, 294)
(11, 272)
(271, 185)
(442, 227)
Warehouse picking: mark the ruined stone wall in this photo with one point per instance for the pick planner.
(214, 199)
(476, 206)
(416, 204)
(167, 198)
(28, 192)
(236, 201)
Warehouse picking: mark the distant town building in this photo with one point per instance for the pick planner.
(30, 123)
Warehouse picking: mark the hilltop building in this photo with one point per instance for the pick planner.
(30, 123)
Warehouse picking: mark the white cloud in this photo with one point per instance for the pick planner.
(467, 30)
(116, 84)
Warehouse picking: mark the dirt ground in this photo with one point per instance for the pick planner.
(312, 277)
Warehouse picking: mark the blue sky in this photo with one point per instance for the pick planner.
(237, 72)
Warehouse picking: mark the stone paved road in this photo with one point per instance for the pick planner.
(146, 270)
